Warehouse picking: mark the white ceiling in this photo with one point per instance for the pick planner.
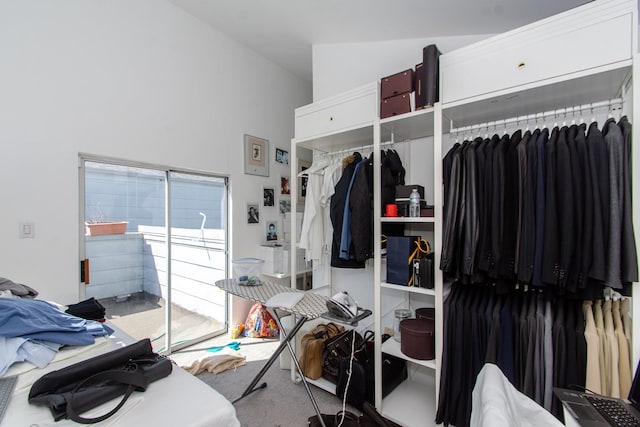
(284, 30)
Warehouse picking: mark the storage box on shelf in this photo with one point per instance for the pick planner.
(396, 94)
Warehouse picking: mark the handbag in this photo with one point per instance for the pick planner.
(336, 348)
(369, 418)
(350, 420)
(312, 344)
(80, 387)
(401, 251)
(361, 384)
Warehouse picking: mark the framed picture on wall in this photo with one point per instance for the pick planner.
(302, 183)
(256, 156)
(282, 156)
(268, 197)
(271, 229)
(253, 213)
(284, 205)
(284, 185)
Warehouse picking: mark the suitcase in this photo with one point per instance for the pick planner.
(431, 75)
(397, 84)
(417, 85)
(395, 105)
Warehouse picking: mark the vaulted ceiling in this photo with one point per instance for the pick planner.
(284, 30)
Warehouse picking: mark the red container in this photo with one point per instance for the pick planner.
(395, 105)
(397, 84)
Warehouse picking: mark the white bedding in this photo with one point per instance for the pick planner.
(177, 400)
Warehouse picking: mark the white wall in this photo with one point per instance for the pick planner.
(139, 80)
(338, 67)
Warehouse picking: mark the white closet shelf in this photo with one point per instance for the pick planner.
(392, 347)
(360, 135)
(411, 404)
(323, 384)
(404, 288)
(402, 219)
(414, 125)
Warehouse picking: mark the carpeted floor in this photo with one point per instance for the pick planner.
(282, 403)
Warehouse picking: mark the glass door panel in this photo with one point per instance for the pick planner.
(151, 290)
(198, 257)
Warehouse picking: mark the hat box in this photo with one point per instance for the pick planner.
(416, 338)
(427, 313)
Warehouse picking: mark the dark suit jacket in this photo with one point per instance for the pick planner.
(565, 200)
(551, 255)
(586, 208)
(629, 255)
(541, 142)
(599, 168)
(528, 223)
(510, 215)
(615, 147)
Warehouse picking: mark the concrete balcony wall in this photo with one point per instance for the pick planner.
(124, 264)
(198, 261)
(116, 265)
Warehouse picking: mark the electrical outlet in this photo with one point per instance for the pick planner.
(27, 230)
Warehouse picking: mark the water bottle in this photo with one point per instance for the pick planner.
(414, 203)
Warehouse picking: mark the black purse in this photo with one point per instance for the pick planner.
(335, 349)
(78, 388)
(360, 374)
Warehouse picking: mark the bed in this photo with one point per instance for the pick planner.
(179, 399)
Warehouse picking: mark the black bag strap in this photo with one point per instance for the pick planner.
(368, 337)
(134, 380)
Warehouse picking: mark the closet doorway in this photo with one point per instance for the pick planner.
(151, 289)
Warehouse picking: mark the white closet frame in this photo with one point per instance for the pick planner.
(585, 55)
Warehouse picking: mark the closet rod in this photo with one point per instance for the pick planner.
(353, 149)
(537, 116)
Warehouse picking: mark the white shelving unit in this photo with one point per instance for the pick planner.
(413, 402)
(316, 129)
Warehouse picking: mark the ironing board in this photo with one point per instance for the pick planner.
(311, 306)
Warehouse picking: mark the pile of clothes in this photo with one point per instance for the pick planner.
(33, 330)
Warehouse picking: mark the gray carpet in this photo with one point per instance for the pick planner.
(282, 403)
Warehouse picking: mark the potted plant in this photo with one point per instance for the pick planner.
(98, 226)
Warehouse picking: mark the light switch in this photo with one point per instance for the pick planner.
(27, 230)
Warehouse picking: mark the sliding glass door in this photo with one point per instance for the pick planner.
(150, 288)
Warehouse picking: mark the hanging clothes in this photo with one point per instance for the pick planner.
(543, 207)
(535, 338)
(546, 210)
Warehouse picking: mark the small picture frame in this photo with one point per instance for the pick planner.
(268, 197)
(302, 184)
(282, 156)
(284, 185)
(284, 205)
(253, 213)
(271, 231)
(256, 156)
